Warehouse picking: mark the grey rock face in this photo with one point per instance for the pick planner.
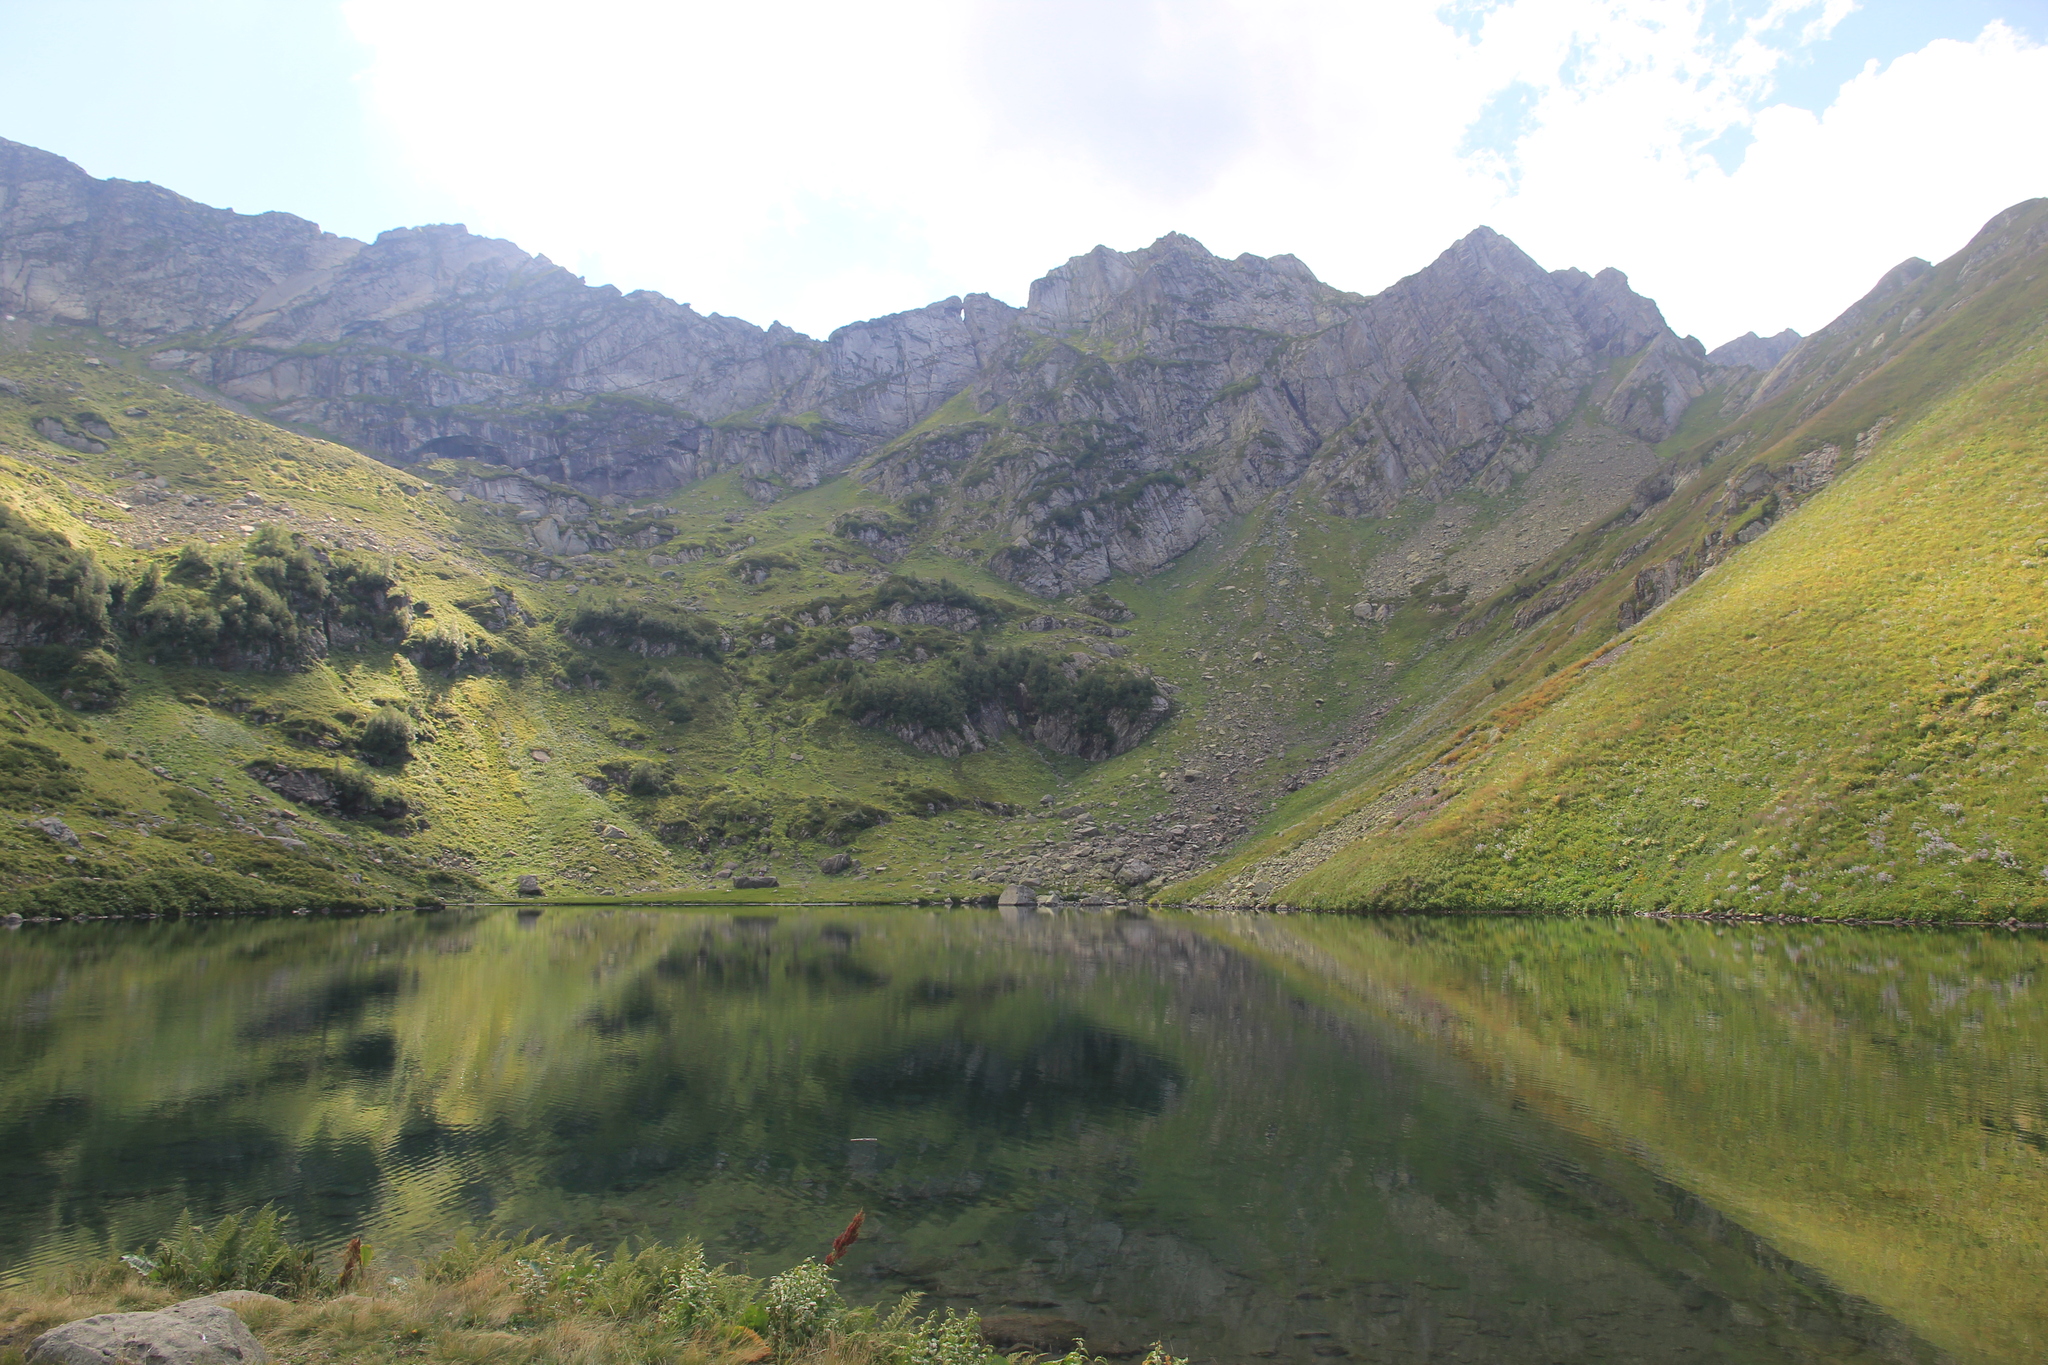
(1137, 400)
(836, 864)
(1754, 352)
(196, 1332)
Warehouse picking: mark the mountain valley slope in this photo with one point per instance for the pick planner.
(631, 600)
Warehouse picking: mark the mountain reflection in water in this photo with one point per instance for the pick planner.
(1288, 1139)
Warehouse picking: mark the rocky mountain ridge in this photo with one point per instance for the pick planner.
(1135, 402)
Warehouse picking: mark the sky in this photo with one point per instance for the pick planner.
(1750, 164)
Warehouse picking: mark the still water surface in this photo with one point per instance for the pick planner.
(1287, 1139)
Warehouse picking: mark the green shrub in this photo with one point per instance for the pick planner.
(755, 568)
(649, 630)
(270, 604)
(918, 591)
(954, 1339)
(388, 734)
(834, 820)
(35, 774)
(803, 1304)
(1022, 682)
(235, 1254)
(645, 779)
(442, 646)
(60, 594)
(727, 819)
(670, 695)
(86, 679)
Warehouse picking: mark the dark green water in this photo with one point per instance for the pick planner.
(1284, 1139)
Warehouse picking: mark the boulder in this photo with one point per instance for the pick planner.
(1018, 896)
(241, 1300)
(56, 829)
(836, 864)
(196, 1332)
(1136, 872)
(529, 885)
(754, 883)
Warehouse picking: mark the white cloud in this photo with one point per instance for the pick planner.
(822, 162)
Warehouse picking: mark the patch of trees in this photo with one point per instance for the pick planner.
(274, 603)
(648, 629)
(1098, 710)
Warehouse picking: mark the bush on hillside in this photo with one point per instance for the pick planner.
(647, 629)
(645, 779)
(834, 820)
(1022, 682)
(56, 595)
(388, 735)
(35, 774)
(274, 603)
(85, 679)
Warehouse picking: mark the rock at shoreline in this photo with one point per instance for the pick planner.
(1018, 896)
(195, 1332)
(529, 885)
(754, 883)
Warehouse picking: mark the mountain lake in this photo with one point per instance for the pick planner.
(1281, 1138)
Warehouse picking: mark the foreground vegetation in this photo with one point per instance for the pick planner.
(533, 1300)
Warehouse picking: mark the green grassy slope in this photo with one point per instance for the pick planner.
(554, 734)
(1838, 719)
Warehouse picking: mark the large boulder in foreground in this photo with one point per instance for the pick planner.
(195, 1332)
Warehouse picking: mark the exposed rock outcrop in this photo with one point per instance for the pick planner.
(1138, 399)
(1754, 352)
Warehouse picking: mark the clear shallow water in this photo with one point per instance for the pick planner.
(1277, 1138)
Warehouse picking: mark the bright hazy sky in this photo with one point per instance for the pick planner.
(1749, 163)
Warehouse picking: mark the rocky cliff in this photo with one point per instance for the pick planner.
(1136, 400)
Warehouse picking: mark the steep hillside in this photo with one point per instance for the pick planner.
(1842, 715)
(456, 571)
(372, 671)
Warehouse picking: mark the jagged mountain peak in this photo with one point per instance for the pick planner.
(1754, 352)
(433, 341)
(1125, 289)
